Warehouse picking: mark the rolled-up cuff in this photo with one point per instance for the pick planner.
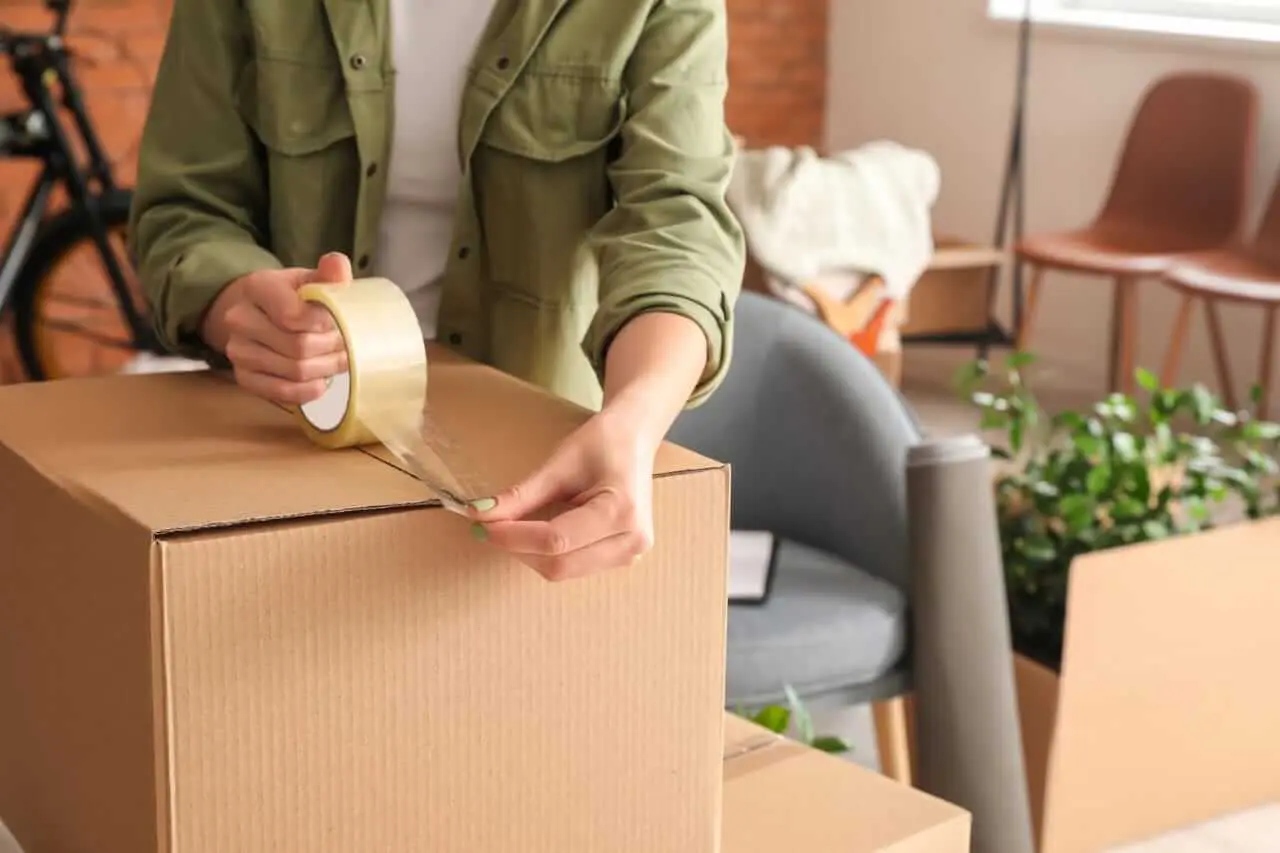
(193, 282)
(714, 319)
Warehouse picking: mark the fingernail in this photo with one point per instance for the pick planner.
(484, 504)
(478, 533)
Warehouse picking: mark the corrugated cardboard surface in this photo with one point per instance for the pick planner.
(219, 638)
(1037, 714)
(781, 796)
(1168, 701)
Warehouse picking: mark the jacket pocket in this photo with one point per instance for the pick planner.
(541, 180)
(295, 109)
(299, 113)
(556, 117)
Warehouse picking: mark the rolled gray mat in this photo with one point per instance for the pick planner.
(969, 742)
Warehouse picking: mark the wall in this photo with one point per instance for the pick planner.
(939, 75)
(778, 70)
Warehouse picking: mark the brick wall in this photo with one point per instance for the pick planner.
(777, 67)
(778, 71)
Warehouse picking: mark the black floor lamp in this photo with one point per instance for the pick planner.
(1011, 218)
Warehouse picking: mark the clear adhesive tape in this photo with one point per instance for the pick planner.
(383, 394)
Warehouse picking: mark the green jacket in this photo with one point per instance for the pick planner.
(585, 124)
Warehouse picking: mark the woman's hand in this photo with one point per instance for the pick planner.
(281, 348)
(588, 509)
(601, 477)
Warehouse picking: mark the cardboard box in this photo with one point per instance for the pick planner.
(215, 637)
(953, 295)
(782, 796)
(1164, 712)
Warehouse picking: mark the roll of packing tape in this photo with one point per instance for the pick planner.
(385, 386)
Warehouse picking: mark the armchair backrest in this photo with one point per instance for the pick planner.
(815, 436)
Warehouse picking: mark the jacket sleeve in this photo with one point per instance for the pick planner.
(199, 214)
(671, 243)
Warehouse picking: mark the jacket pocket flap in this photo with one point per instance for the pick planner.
(294, 109)
(556, 117)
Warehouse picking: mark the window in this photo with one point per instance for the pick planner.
(1232, 20)
(1243, 11)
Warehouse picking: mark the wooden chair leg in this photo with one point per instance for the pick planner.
(913, 750)
(1220, 361)
(1177, 341)
(1124, 322)
(1029, 307)
(1268, 360)
(892, 738)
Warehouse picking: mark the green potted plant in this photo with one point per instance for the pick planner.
(1163, 463)
(1113, 509)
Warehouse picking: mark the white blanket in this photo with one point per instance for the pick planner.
(867, 210)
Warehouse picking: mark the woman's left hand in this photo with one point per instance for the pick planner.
(587, 510)
(590, 507)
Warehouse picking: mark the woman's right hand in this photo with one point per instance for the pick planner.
(281, 348)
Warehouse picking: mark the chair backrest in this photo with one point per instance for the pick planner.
(1188, 161)
(1266, 241)
(815, 436)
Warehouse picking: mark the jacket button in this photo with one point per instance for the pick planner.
(363, 263)
(455, 339)
(464, 253)
(504, 63)
(358, 61)
(371, 171)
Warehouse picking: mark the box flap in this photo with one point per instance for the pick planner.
(1166, 688)
(780, 795)
(189, 451)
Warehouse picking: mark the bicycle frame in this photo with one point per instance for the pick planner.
(41, 62)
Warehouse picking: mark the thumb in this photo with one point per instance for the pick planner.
(547, 485)
(333, 268)
(277, 298)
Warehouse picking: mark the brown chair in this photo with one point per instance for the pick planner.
(1181, 186)
(1247, 275)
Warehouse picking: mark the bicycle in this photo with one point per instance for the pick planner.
(97, 212)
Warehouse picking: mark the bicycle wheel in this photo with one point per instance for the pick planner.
(67, 320)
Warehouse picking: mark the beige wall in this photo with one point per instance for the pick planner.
(939, 74)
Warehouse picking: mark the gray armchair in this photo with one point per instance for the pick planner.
(817, 441)
(863, 607)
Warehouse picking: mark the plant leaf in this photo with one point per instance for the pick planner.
(1155, 529)
(775, 718)
(799, 715)
(829, 744)
(1204, 404)
(1077, 511)
(1126, 446)
(1147, 379)
(1098, 479)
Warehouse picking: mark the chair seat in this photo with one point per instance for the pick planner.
(827, 625)
(1238, 276)
(1105, 252)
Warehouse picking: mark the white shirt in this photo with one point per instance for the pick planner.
(433, 43)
